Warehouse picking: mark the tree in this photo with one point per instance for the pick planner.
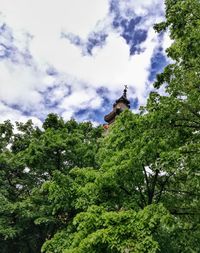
(34, 163)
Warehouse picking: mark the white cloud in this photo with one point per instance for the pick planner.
(15, 115)
(167, 41)
(18, 84)
(141, 7)
(110, 66)
(81, 98)
(47, 18)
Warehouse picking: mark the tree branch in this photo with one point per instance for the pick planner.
(147, 180)
(163, 186)
(142, 196)
(153, 187)
(183, 192)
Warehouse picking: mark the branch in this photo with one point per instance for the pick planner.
(163, 186)
(192, 110)
(184, 192)
(127, 192)
(147, 180)
(142, 196)
(184, 213)
(189, 126)
(153, 187)
(188, 120)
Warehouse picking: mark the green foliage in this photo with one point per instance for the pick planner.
(98, 230)
(34, 172)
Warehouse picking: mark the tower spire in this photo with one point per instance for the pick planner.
(125, 91)
(120, 105)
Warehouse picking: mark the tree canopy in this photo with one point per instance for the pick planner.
(69, 188)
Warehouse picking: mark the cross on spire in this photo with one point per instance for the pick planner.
(125, 90)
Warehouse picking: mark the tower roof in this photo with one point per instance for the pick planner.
(123, 98)
(120, 104)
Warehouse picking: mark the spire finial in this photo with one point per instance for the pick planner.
(125, 90)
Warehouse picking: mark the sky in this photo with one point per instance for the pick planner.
(73, 57)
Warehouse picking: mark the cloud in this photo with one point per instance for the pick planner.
(11, 49)
(81, 99)
(141, 8)
(57, 55)
(95, 39)
(14, 115)
(47, 18)
(110, 67)
(19, 84)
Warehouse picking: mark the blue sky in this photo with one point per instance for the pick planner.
(73, 57)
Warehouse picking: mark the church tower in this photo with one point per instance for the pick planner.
(119, 106)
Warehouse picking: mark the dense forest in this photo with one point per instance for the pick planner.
(69, 188)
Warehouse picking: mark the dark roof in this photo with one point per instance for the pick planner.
(123, 98)
(111, 116)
